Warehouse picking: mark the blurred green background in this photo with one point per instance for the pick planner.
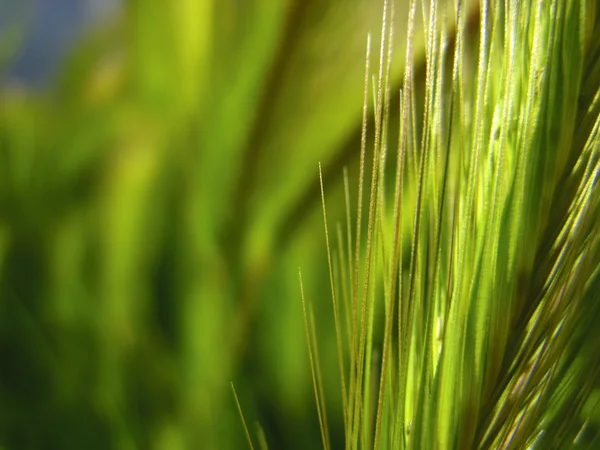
(158, 192)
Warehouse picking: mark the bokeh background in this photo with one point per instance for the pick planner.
(158, 192)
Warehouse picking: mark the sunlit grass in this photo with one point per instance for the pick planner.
(157, 200)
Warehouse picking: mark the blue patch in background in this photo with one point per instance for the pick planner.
(51, 29)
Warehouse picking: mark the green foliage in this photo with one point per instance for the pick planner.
(156, 202)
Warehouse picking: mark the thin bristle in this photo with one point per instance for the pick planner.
(355, 378)
(337, 326)
(239, 406)
(314, 368)
(318, 372)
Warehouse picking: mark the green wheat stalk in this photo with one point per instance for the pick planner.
(486, 263)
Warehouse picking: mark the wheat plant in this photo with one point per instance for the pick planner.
(468, 313)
